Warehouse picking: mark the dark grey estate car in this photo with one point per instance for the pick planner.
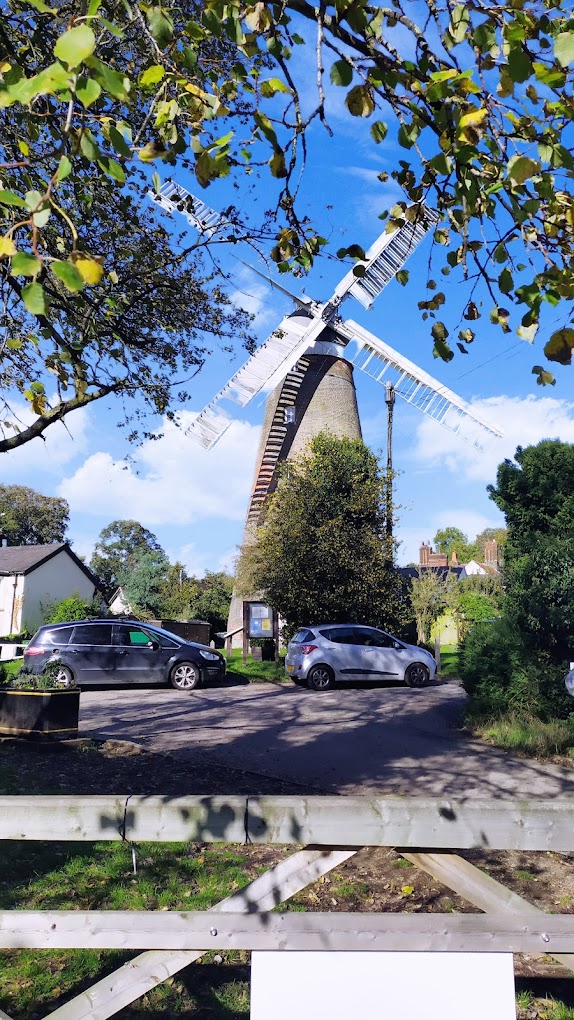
(122, 652)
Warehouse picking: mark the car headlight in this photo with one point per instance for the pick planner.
(210, 655)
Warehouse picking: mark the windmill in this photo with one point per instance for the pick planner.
(305, 367)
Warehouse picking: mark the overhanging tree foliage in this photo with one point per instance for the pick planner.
(320, 555)
(476, 97)
(28, 518)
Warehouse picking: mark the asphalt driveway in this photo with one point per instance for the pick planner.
(349, 740)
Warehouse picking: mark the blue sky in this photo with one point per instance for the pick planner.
(195, 501)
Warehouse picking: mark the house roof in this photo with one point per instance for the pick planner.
(411, 572)
(23, 559)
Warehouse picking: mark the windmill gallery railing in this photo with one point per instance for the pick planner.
(331, 830)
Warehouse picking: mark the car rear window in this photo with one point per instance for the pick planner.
(54, 638)
(302, 636)
(92, 634)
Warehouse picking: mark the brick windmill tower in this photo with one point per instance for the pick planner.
(305, 366)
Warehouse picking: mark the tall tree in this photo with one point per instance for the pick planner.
(429, 597)
(118, 549)
(536, 494)
(450, 540)
(144, 582)
(28, 518)
(320, 555)
(213, 599)
(476, 97)
(179, 594)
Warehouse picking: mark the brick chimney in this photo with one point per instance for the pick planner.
(454, 559)
(424, 554)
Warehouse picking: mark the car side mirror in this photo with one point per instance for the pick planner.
(153, 645)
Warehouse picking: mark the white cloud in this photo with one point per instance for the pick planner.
(525, 421)
(196, 561)
(256, 297)
(174, 481)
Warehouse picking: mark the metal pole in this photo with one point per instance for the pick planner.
(390, 402)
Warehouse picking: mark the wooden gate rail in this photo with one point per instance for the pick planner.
(322, 821)
(336, 828)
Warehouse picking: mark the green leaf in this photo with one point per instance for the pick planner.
(34, 298)
(88, 91)
(89, 146)
(160, 25)
(560, 346)
(564, 48)
(528, 333)
(40, 6)
(24, 264)
(156, 181)
(359, 101)
(112, 169)
(544, 378)
(408, 134)
(119, 143)
(277, 165)
(118, 85)
(459, 23)
(439, 331)
(402, 277)
(75, 45)
(68, 274)
(151, 76)
(41, 217)
(64, 168)
(522, 168)
(33, 199)
(272, 86)
(519, 65)
(341, 73)
(379, 131)
(505, 281)
(11, 198)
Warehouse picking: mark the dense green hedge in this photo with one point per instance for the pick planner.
(499, 673)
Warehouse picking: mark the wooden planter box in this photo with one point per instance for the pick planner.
(47, 715)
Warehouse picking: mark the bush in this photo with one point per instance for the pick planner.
(29, 681)
(72, 608)
(500, 674)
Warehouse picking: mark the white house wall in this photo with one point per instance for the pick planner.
(11, 598)
(57, 579)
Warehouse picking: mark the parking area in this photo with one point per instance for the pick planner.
(375, 739)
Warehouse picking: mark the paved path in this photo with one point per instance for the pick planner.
(350, 740)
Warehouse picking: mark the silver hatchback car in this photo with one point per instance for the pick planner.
(351, 652)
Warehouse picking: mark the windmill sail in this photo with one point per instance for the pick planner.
(265, 368)
(418, 388)
(174, 198)
(384, 260)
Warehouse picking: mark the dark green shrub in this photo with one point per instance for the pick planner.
(500, 673)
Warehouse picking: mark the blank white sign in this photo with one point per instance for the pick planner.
(382, 986)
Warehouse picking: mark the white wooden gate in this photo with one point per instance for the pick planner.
(425, 831)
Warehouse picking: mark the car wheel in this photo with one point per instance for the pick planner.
(320, 678)
(417, 675)
(185, 676)
(64, 676)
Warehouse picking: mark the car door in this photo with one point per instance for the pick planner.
(379, 655)
(90, 653)
(139, 656)
(341, 652)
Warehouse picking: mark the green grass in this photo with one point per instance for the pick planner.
(449, 661)
(527, 734)
(256, 672)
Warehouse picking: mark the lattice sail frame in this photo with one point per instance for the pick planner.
(272, 361)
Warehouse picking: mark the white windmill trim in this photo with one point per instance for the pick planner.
(444, 398)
